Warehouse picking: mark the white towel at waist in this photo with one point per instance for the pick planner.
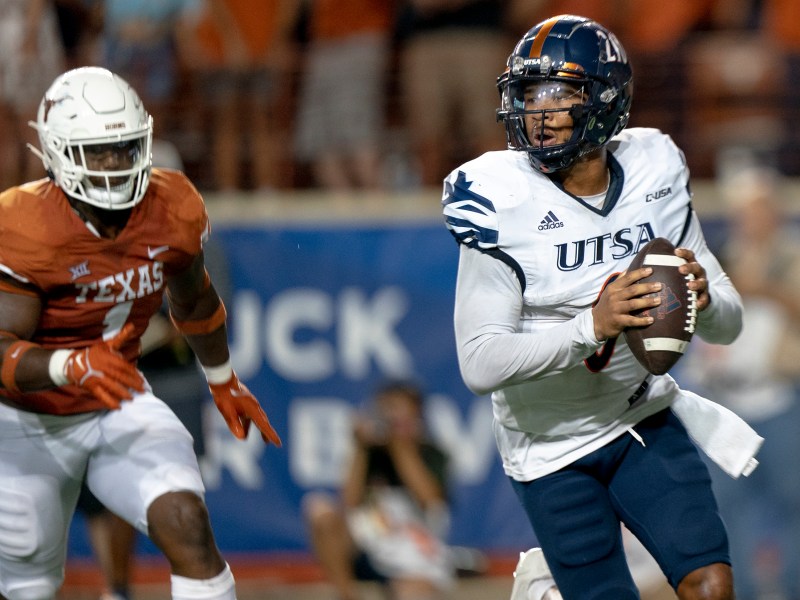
(720, 433)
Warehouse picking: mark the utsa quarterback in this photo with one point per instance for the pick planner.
(546, 230)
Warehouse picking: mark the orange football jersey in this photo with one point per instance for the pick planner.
(91, 286)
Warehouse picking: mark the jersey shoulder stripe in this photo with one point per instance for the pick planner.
(469, 214)
(480, 191)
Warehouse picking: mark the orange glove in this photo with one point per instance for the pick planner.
(102, 370)
(239, 407)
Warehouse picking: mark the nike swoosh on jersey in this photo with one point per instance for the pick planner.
(153, 252)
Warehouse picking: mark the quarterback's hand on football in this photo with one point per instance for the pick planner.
(700, 282)
(611, 311)
(101, 369)
(239, 407)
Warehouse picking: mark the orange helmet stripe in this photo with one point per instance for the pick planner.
(538, 41)
(573, 67)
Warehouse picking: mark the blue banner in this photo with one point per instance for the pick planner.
(318, 317)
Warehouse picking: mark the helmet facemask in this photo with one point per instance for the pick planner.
(547, 118)
(79, 173)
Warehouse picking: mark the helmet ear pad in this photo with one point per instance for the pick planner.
(600, 121)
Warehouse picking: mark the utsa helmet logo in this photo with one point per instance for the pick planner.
(610, 48)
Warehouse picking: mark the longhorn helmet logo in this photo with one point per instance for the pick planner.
(50, 103)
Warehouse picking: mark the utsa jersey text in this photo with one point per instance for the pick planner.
(620, 243)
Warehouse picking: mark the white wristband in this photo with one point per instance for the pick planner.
(57, 366)
(219, 374)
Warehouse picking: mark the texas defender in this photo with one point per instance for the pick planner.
(85, 258)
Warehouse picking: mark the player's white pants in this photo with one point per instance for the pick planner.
(129, 457)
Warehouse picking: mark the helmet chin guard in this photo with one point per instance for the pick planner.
(89, 107)
(574, 51)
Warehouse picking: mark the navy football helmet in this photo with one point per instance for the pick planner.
(579, 60)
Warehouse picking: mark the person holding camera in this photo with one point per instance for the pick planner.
(389, 522)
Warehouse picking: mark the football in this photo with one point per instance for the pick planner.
(661, 344)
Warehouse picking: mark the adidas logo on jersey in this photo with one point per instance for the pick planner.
(550, 221)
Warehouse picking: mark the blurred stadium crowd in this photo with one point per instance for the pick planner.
(389, 94)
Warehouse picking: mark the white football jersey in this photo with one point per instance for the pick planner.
(558, 393)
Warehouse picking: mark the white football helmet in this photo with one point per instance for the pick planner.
(91, 106)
